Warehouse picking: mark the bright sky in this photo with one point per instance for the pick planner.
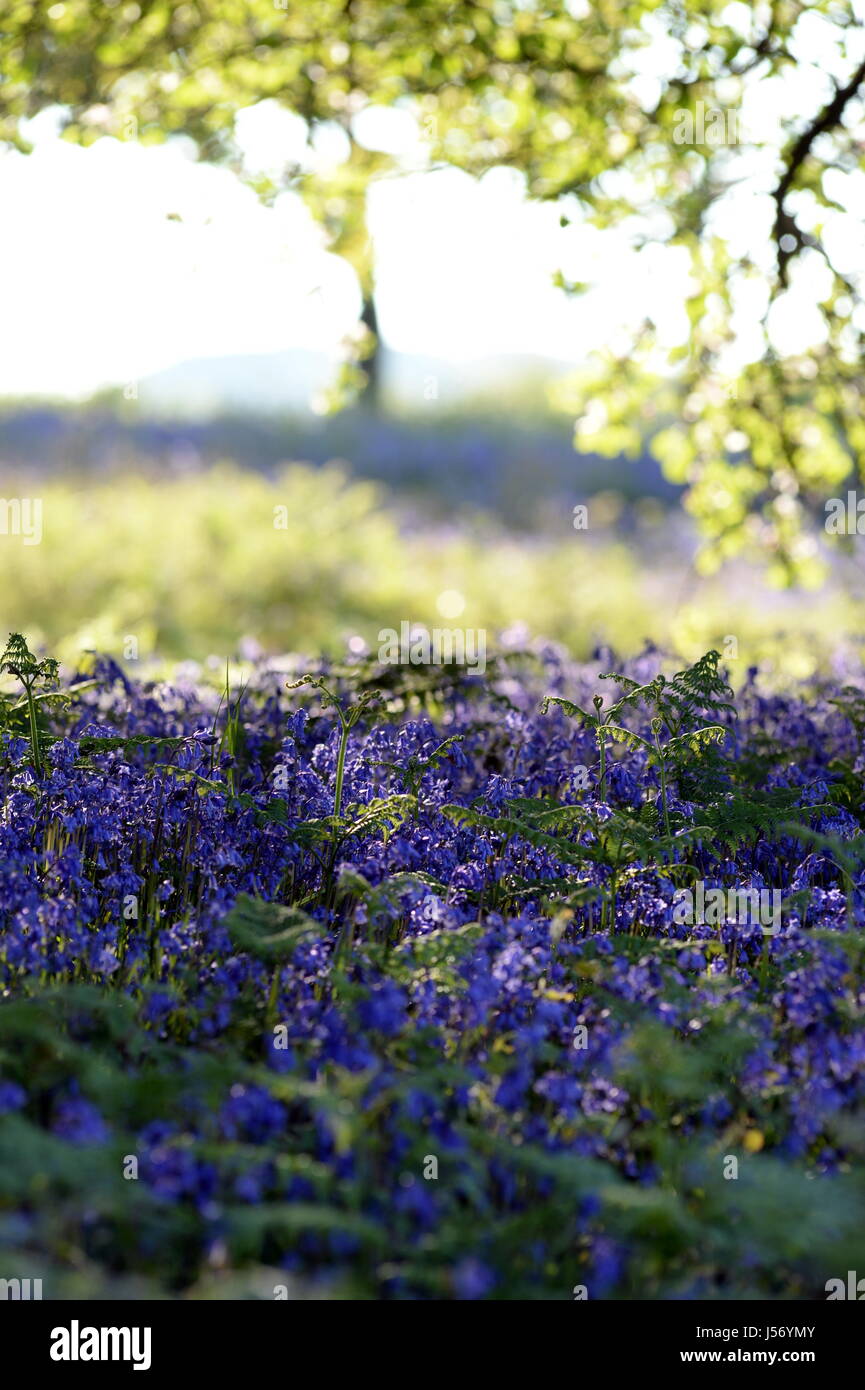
(105, 287)
(102, 286)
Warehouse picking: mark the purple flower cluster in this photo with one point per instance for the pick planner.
(401, 1004)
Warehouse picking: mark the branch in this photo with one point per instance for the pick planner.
(826, 121)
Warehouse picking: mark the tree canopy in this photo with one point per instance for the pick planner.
(673, 119)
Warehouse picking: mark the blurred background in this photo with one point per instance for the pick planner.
(336, 372)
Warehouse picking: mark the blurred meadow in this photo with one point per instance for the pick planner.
(167, 541)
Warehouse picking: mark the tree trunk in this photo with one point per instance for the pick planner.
(370, 396)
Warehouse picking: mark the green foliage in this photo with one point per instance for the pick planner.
(348, 717)
(738, 818)
(415, 768)
(698, 690)
(267, 930)
(693, 693)
(19, 661)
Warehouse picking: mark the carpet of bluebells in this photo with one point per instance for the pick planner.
(368, 982)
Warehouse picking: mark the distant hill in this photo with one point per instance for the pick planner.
(280, 382)
(254, 382)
